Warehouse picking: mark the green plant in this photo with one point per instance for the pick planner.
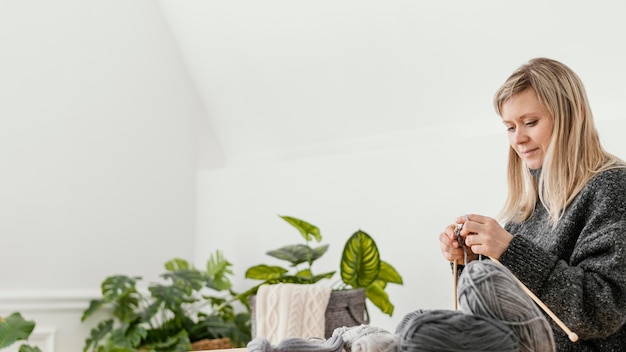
(189, 306)
(14, 328)
(360, 265)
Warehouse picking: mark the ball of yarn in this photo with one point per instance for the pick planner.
(449, 330)
(488, 289)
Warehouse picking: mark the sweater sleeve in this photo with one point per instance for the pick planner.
(583, 280)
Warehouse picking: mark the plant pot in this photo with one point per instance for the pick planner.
(211, 344)
(345, 308)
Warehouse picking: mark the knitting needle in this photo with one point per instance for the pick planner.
(572, 335)
(455, 273)
(455, 270)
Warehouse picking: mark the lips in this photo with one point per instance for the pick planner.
(528, 153)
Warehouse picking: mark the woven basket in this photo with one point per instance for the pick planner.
(211, 344)
(345, 308)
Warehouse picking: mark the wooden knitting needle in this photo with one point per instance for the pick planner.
(455, 273)
(572, 335)
(455, 266)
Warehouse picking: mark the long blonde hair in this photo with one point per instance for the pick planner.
(574, 154)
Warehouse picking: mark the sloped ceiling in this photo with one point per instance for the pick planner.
(279, 76)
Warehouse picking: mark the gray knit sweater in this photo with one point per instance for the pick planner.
(578, 269)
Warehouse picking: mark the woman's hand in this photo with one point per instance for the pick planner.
(483, 235)
(451, 248)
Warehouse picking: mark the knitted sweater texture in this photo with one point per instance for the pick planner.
(578, 269)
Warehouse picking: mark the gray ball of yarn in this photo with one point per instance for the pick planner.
(489, 289)
(450, 330)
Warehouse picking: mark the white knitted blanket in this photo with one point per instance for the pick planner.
(291, 310)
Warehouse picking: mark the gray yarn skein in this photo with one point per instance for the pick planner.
(488, 289)
(453, 331)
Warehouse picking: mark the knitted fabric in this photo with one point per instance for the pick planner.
(489, 289)
(578, 269)
(366, 338)
(452, 331)
(294, 344)
(291, 310)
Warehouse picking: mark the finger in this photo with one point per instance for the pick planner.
(449, 246)
(472, 239)
(474, 217)
(477, 248)
(448, 239)
(470, 228)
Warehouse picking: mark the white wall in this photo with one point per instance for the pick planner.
(354, 114)
(98, 154)
(402, 196)
(375, 115)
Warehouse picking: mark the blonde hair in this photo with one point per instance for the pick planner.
(574, 154)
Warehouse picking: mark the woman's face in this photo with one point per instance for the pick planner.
(529, 127)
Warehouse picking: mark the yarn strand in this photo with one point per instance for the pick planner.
(570, 334)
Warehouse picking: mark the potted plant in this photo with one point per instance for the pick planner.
(360, 267)
(191, 305)
(14, 328)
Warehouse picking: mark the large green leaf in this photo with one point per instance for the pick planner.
(376, 293)
(188, 280)
(120, 290)
(360, 261)
(265, 272)
(298, 253)
(218, 269)
(14, 328)
(172, 297)
(116, 286)
(387, 273)
(307, 230)
(94, 305)
(129, 334)
(177, 264)
(98, 333)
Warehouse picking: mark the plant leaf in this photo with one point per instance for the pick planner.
(114, 287)
(177, 264)
(94, 305)
(376, 293)
(188, 280)
(360, 261)
(13, 328)
(98, 333)
(121, 292)
(127, 335)
(298, 253)
(28, 348)
(387, 273)
(172, 297)
(319, 277)
(307, 230)
(265, 272)
(218, 269)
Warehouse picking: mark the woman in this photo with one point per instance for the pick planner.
(565, 213)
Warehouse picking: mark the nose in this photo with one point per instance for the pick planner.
(519, 136)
